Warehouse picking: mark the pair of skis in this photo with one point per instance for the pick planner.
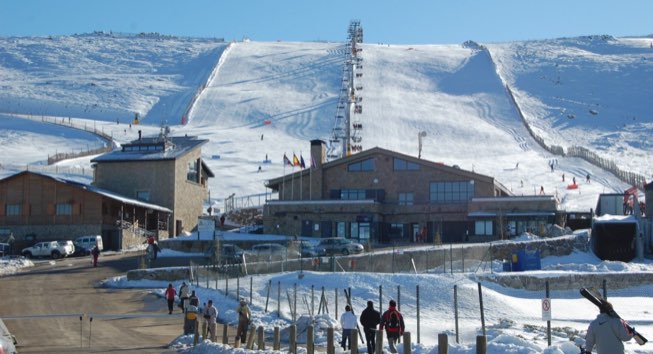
(595, 297)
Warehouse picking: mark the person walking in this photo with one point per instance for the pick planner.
(211, 316)
(170, 296)
(607, 333)
(95, 252)
(393, 322)
(183, 295)
(205, 321)
(193, 299)
(348, 323)
(370, 318)
(244, 318)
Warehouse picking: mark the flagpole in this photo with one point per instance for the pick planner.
(301, 179)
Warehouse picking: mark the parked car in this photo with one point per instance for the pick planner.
(229, 253)
(307, 249)
(89, 242)
(68, 243)
(48, 249)
(340, 245)
(272, 251)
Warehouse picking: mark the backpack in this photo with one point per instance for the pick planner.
(393, 321)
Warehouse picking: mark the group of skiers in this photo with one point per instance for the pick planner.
(189, 304)
(605, 334)
(391, 320)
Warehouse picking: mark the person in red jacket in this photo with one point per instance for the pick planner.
(170, 296)
(393, 322)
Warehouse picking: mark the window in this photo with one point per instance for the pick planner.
(12, 209)
(405, 198)
(403, 165)
(397, 230)
(365, 165)
(340, 229)
(353, 230)
(64, 209)
(352, 194)
(483, 227)
(143, 195)
(451, 192)
(191, 174)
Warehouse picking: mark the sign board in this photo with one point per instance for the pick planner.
(205, 227)
(546, 309)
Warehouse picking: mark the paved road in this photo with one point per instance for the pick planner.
(69, 286)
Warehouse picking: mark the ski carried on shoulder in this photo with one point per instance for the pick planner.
(597, 299)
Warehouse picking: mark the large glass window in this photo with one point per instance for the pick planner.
(353, 229)
(403, 165)
(64, 209)
(406, 198)
(451, 192)
(341, 229)
(365, 165)
(483, 227)
(12, 209)
(352, 194)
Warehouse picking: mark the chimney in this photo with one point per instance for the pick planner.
(318, 152)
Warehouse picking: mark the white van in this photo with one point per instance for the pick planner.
(88, 242)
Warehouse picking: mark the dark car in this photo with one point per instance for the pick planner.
(307, 249)
(229, 254)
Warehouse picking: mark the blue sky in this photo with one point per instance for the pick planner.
(399, 22)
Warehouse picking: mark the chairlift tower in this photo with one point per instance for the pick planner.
(346, 135)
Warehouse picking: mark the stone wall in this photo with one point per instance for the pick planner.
(166, 274)
(574, 280)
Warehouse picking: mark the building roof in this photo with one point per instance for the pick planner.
(153, 149)
(94, 189)
(274, 183)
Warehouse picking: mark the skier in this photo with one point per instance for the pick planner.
(607, 333)
(95, 252)
(211, 316)
(170, 297)
(587, 178)
(370, 318)
(393, 322)
(183, 295)
(348, 323)
(244, 318)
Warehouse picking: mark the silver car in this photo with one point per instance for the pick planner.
(272, 251)
(340, 245)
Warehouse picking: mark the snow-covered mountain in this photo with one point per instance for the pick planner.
(254, 100)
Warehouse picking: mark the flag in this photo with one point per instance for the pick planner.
(295, 160)
(313, 163)
(286, 161)
(301, 161)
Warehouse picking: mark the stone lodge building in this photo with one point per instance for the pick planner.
(166, 171)
(383, 196)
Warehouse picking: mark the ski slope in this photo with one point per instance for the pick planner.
(267, 99)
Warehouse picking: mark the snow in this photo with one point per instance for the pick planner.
(512, 316)
(455, 93)
(13, 265)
